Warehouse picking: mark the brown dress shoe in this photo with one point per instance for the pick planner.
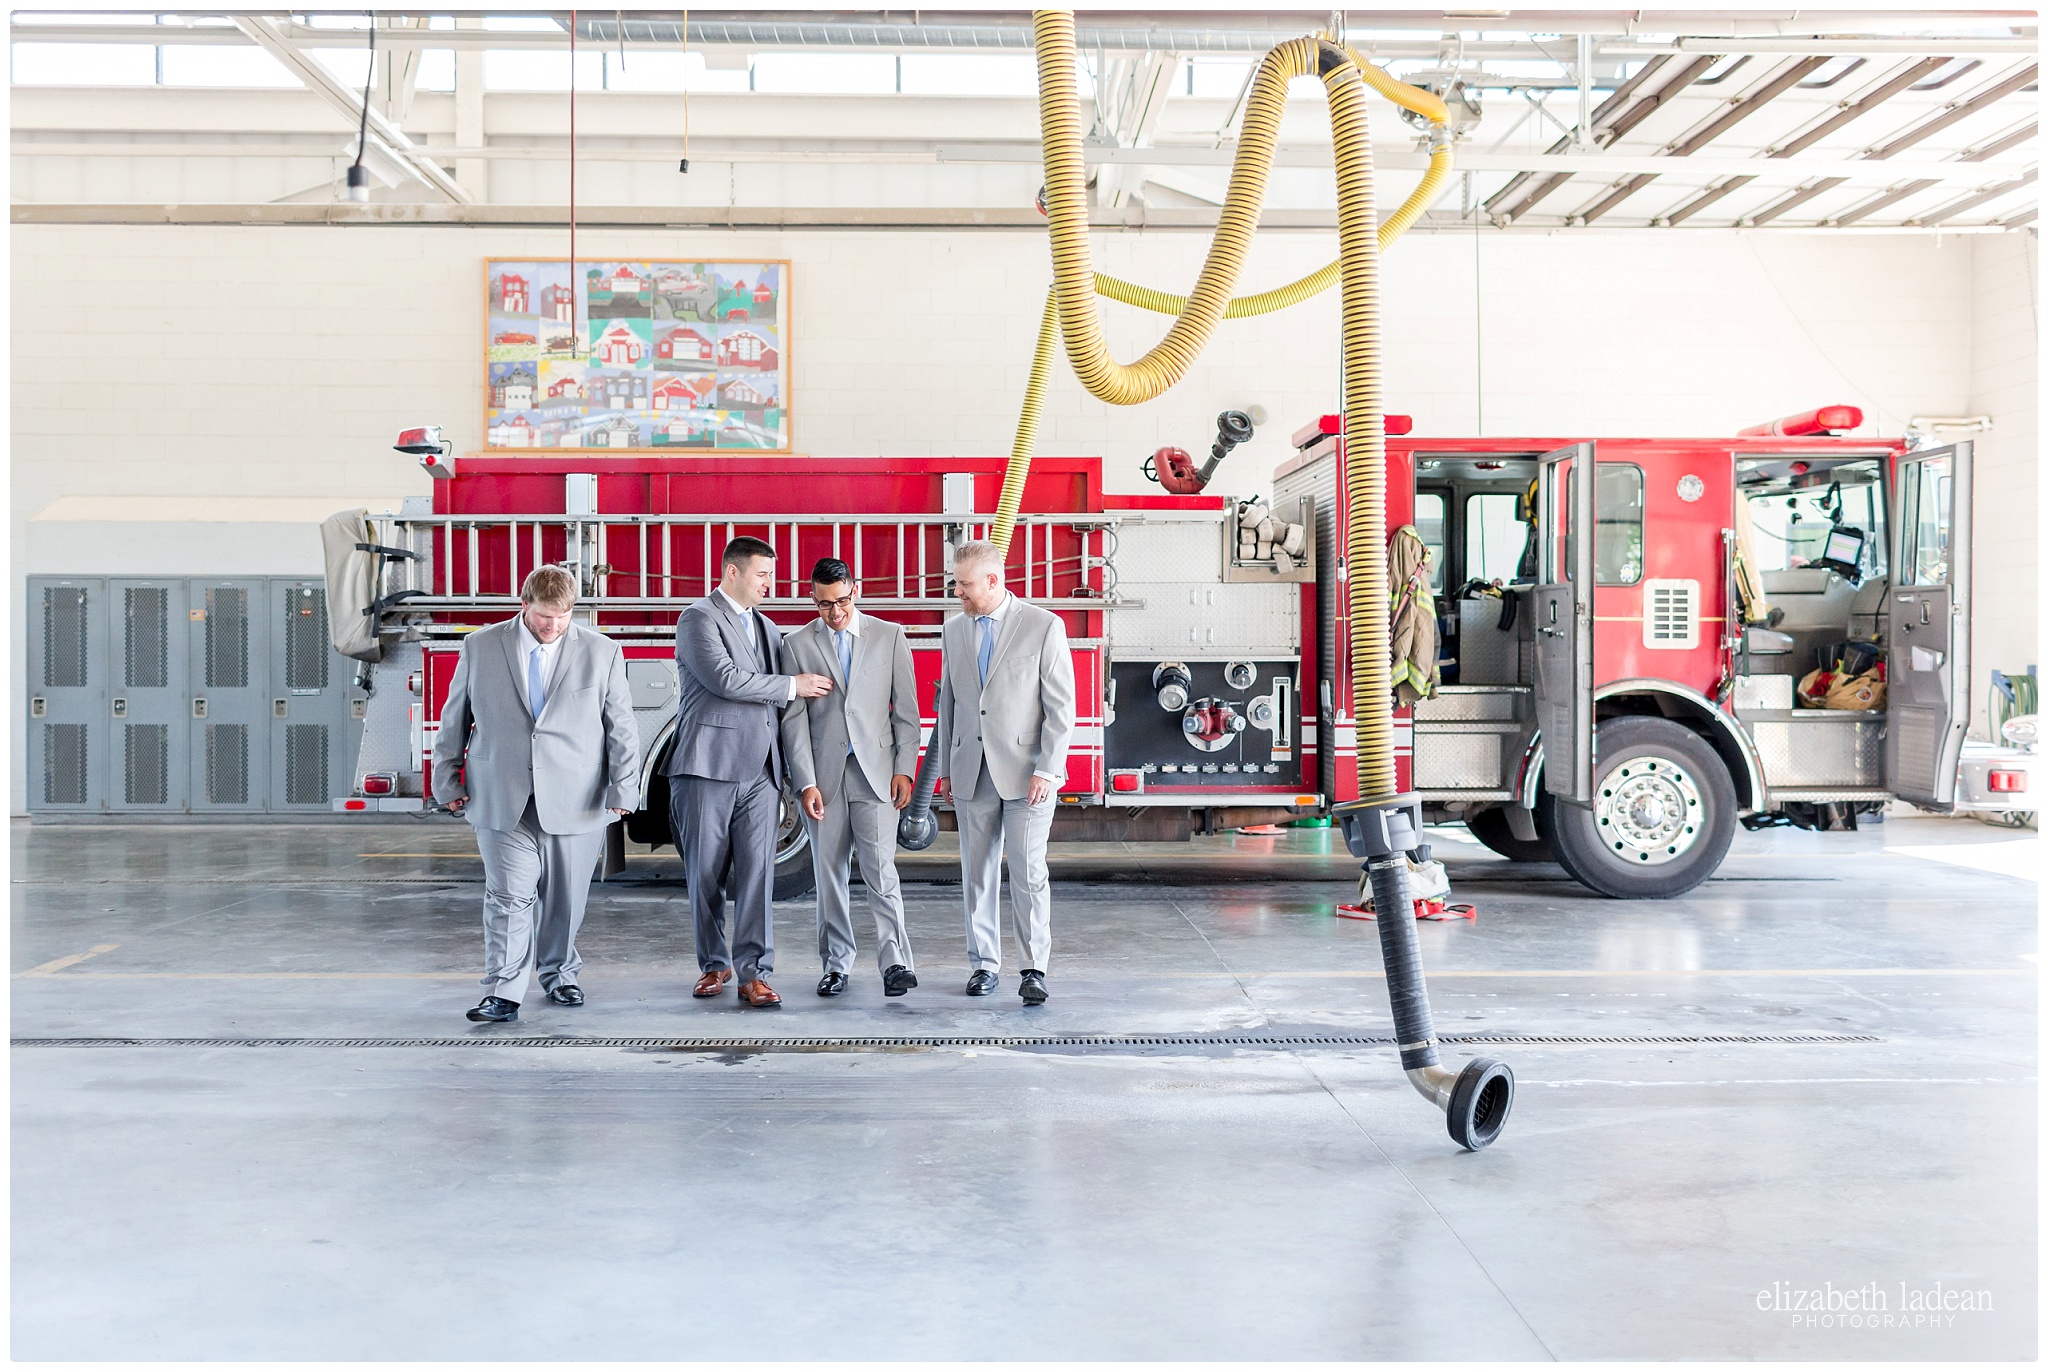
(760, 995)
(711, 983)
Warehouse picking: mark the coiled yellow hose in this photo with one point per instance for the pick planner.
(1073, 304)
(1434, 179)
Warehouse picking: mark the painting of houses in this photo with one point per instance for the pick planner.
(697, 392)
(684, 346)
(614, 433)
(749, 291)
(597, 355)
(751, 346)
(746, 393)
(619, 290)
(513, 385)
(513, 431)
(513, 294)
(558, 303)
(620, 343)
(605, 390)
(688, 429)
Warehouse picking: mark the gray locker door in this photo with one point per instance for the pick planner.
(67, 694)
(228, 648)
(149, 705)
(309, 717)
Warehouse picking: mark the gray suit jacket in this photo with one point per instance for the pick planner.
(876, 711)
(1022, 720)
(728, 711)
(578, 762)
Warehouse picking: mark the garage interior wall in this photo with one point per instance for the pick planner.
(192, 400)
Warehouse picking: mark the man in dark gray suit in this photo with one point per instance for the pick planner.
(539, 752)
(725, 775)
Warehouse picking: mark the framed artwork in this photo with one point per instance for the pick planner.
(604, 353)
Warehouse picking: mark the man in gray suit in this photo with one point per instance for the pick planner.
(540, 725)
(725, 775)
(850, 756)
(1006, 713)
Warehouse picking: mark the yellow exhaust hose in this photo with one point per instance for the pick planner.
(1073, 305)
(1162, 302)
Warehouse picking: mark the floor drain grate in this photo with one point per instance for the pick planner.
(859, 1043)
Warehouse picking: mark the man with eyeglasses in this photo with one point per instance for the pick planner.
(850, 754)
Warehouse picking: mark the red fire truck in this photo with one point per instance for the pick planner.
(1605, 703)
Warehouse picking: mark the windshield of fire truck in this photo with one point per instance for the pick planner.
(1792, 513)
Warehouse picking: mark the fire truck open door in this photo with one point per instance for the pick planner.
(1564, 621)
(1927, 628)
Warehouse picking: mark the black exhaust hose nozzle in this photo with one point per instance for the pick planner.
(918, 826)
(1475, 1101)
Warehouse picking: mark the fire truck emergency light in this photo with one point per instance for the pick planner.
(1828, 419)
(433, 451)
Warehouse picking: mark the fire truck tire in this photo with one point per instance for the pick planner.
(1663, 813)
(1490, 827)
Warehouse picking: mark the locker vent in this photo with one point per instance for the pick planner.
(64, 637)
(148, 636)
(227, 636)
(227, 763)
(1671, 613)
(64, 761)
(148, 773)
(305, 764)
(305, 639)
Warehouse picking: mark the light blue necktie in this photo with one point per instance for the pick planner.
(988, 644)
(536, 693)
(845, 641)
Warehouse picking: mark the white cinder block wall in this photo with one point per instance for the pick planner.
(185, 400)
(2004, 367)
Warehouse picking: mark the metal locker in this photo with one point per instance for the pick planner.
(148, 703)
(67, 694)
(311, 738)
(228, 649)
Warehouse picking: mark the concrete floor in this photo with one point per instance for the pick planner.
(210, 1201)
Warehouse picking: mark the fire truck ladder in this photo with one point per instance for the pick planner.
(433, 565)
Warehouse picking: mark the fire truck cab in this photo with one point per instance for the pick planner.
(1621, 656)
(1605, 701)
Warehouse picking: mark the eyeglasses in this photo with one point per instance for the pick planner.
(840, 604)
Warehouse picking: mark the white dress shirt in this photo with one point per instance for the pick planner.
(753, 635)
(527, 643)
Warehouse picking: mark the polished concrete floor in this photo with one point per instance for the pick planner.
(1660, 1195)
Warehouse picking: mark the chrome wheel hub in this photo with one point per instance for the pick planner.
(1648, 811)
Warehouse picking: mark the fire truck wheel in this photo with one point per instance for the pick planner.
(1663, 813)
(793, 875)
(1490, 827)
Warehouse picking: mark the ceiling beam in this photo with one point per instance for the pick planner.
(1624, 120)
(1957, 110)
(379, 130)
(1738, 108)
(1848, 110)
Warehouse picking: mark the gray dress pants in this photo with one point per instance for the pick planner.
(721, 824)
(857, 818)
(990, 828)
(535, 887)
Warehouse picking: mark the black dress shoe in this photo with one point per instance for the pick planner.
(1031, 986)
(569, 993)
(495, 1010)
(982, 983)
(896, 979)
(832, 984)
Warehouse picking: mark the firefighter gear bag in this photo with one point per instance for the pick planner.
(1834, 689)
